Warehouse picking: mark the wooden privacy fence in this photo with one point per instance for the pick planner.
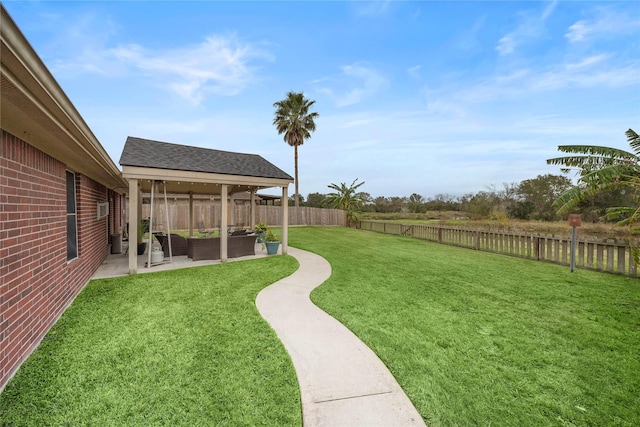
(239, 215)
(609, 256)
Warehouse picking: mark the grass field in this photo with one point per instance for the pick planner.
(482, 339)
(473, 338)
(179, 348)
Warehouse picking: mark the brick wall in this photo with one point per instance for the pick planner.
(36, 282)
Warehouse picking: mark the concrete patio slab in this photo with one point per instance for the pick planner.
(117, 265)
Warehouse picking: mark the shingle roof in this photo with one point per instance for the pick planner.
(163, 155)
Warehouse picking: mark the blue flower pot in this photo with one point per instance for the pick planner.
(272, 247)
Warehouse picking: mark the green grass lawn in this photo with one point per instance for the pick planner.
(482, 339)
(179, 348)
(473, 338)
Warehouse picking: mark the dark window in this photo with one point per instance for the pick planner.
(72, 222)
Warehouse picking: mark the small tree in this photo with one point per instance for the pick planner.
(314, 200)
(541, 192)
(347, 199)
(482, 204)
(381, 204)
(416, 203)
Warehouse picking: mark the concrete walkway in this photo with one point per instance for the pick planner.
(342, 382)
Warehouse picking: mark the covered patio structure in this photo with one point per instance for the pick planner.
(190, 170)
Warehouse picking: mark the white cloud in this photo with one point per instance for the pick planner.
(548, 11)
(559, 78)
(578, 31)
(515, 76)
(529, 29)
(220, 65)
(605, 22)
(427, 155)
(587, 62)
(597, 72)
(414, 71)
(507, 44)
(531, 26)
(442, 107)
(469, 38)
(356, 123)
(373, 8)
(361, 82)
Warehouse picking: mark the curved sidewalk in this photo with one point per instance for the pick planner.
(342, 382)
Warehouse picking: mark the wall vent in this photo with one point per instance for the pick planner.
(103, 209)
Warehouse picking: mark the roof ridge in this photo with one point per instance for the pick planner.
(191, 146)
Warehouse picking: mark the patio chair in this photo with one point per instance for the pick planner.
(204, 231)
(178, 244)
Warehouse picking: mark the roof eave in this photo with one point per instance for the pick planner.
(43, 115)
(199, 182)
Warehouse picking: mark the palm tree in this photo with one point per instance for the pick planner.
(347, 199)
(601, 169)
(293, 119)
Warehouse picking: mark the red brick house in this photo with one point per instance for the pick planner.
(61, 198)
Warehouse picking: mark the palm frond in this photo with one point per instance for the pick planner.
(597, 151)
(634, 141)
(635, 253)
(570, 199)
(591, 158)
(619, 211)
(614, 172)
(631, 215)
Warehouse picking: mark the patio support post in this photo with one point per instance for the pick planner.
(252, 209)
(232, 205)
(134, 214)
(223, 222)
(190, 213)
(285, 220)
(153, 186)
(166, 211)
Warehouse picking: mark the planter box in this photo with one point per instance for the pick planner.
(272, 247)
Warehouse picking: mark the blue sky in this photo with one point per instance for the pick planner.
(426, 97)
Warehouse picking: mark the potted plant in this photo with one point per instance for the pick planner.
(272, 242)
(261, 229)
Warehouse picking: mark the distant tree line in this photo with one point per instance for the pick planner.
(531, 199)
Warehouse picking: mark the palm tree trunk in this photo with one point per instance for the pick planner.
(295, 157)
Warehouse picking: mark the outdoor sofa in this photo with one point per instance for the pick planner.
(209, 247)
(242, 245)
